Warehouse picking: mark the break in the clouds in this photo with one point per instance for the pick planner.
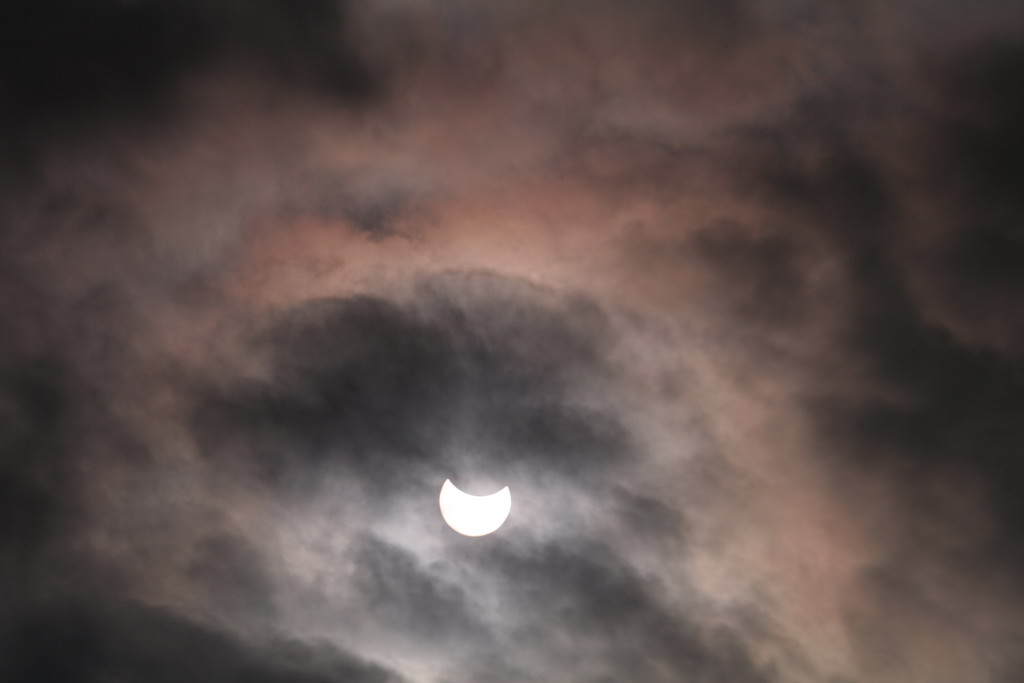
(727, 293)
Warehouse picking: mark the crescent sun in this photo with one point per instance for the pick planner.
(474, 515)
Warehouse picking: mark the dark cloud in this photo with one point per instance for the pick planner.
(385, 390)
(73, 72)
(232, 574)
(972, 150)
(959, 398)
(943, 415)
(68, 59)
(55, 439)
(49, 419)
(111, 640)
(614, 618)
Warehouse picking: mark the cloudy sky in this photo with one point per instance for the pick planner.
(729, 293)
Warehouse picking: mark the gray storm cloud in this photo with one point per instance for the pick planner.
(727, 293)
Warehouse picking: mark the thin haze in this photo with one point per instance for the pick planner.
(728, 293)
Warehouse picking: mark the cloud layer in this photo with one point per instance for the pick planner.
(726, 292)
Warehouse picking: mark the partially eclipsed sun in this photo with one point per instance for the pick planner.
(474, 515)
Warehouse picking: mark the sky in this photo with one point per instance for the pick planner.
(727, 292)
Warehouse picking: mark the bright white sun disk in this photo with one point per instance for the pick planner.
(474, 515)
